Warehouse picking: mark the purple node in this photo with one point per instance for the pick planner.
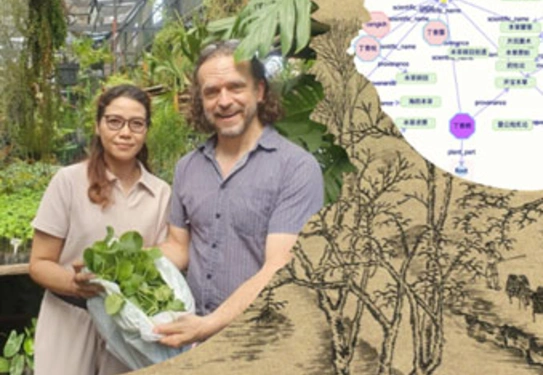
(462, 126)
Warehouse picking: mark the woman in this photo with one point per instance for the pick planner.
(111, 188)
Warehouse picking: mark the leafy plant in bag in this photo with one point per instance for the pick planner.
(124, 262)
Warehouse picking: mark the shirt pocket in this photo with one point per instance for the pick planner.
(199, 203)
(250, 209)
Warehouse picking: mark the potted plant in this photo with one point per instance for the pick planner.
(18, 352)
(67, 73)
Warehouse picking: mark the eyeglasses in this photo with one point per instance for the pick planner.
(136, 124)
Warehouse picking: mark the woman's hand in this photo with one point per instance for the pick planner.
(81, 285)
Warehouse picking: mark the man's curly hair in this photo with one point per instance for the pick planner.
(269, 110)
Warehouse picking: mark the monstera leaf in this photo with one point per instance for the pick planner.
(262, 24)
(300, 97)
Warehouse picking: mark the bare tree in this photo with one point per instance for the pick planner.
(350, 255)
(427, 301)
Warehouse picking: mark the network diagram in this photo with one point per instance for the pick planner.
(463, 81)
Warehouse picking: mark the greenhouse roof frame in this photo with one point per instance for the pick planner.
(100, 17)
(121, 22)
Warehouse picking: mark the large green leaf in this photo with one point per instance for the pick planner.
(94, 260)
(336, 162)
(131, 241)
(4, 365)
(154, 253)
(163, 293)
(261, 21)
(17, 365)
(13, 344)
(302, 94)
(114, 303)
(303, 24)
(300, 97)
(287, 19)
(28, 345)
(302, 131)
(131, 286)
(30, 362)
(224, 28)
(176, 305)
(125, 269)
(88, 259)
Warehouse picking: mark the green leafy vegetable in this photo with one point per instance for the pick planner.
(28, 345)
(125, 263)
(17, 365)
(4, 365)
(13, 344)
(114, 303)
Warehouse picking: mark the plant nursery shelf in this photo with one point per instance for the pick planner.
(13, 269)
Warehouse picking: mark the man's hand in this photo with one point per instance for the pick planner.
(81, 285)
(185, 330)
(191, 328)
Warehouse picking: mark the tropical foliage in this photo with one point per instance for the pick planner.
(21, 188)
(18, 352)
(88, 55)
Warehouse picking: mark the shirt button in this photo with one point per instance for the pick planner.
(214, 245)
(209, 276)
(217, 215)
(207, 306)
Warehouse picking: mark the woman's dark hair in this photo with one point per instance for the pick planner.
(268, 111)
(99, 191)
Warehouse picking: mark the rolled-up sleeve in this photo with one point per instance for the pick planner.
(301, 195)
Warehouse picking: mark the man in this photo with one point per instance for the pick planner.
(239, 200)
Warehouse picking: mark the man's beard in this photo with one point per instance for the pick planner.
(234, 131)
(238, 129)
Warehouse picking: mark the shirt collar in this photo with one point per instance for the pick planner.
(146, 179)
(268, 140)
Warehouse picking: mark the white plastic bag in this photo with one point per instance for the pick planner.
(129, 334)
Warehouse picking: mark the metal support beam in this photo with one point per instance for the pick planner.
(131, 19)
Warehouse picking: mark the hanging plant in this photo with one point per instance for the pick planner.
(36, 114)
(90, 56)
